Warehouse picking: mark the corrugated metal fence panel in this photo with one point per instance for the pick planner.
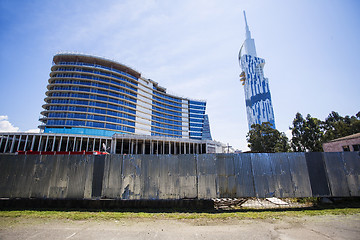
(177, 176)
(352, 169)
(4, 176)
(88, 178)
(59, 180)
(10, 175)
(79, 173)
(263, 175)
(202, 176)
(317, 174)
(132, 175)
(150, 170)
(226, 183)
(25, 184)
(188, 187)
(44, 167)
(5, 173)
(207, 176)
(98, 176)
(112, 182)
(299, 174)
(168, 180)
(336, 174)
(281, 175)
(244, 176)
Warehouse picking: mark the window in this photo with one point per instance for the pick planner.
(346, 148)
(356, 147)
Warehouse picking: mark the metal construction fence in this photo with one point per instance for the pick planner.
(166, 177)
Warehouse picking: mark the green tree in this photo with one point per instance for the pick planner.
(336, 126)
(263, 138)
(307, 134)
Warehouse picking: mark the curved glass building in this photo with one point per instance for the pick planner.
(95, 96)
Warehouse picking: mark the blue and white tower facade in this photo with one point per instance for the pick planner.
(259, 107)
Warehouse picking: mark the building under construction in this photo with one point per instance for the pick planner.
(96, 104)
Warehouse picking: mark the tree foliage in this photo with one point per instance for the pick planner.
(310, 133)
(336, 126)
(307, 134)
(263, 138)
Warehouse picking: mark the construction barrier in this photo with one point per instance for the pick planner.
(174, 177)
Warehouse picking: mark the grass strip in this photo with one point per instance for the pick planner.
(113, 215)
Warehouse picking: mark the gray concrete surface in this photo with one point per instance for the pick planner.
(314, 227)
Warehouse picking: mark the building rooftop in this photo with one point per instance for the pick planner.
(356, 135)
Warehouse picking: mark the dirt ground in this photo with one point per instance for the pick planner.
(310, 227)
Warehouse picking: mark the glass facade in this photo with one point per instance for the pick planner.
(166, 115)
(95, 96)
(196, 118)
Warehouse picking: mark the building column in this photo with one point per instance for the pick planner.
(26, 140)
(74, 145)
(94, 142)
(87, 145)
(12, 143)
(151, 147)
(136, 146)
(6, 143)
(59, 147)
(113, 145)
(39, 143)
(46, 142)
(67, 144)
(53, 145)
(122, 145)
(33, 143)
(81, 139)
(18, 146)
(2, 138)
(143, 147)
(132, 146)
(157, 147)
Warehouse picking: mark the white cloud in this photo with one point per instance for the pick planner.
(35, 130)
(6, 126)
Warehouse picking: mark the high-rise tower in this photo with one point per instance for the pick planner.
(259, 107)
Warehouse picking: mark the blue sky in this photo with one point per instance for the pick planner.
(190, 47)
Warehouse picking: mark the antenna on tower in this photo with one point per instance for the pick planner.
(245, 19)
(247, 31)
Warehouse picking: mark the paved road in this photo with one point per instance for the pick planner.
(316, 227)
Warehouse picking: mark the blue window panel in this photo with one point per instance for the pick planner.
(195, 134)
(84, 89)
(166, 101)
(196, 111)
(196, 120)
(100, 118)
(98, 124)
(167, 97)
(196, 125)
(167, 111)
(196, 129)
(167, 106)
(197, 107)
(196, 116)
(192, 102)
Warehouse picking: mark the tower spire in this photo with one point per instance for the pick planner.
(247, 31)
(249, 43)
